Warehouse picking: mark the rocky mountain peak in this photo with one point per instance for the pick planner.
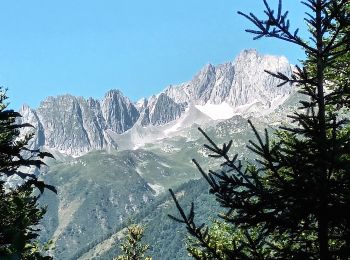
(118, 111)
(248, 53)
(75, 125)
(115, 93)
(206, 70)
(237, 83)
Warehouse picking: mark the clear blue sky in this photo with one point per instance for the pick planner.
(86, 47)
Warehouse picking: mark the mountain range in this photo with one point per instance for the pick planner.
(116, 158)
(75, 126)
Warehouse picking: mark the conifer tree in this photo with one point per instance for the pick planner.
(19, 210)
(293, 202)
(132, 246)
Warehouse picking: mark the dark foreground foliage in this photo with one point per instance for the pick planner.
(19, 210)
(293, 202)
(132, 246)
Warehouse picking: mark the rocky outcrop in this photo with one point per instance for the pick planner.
(236, 83)
(74, 125)
(118, 111)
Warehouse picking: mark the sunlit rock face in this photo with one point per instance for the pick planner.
(237, 83)
(118, 111)
(75, 126)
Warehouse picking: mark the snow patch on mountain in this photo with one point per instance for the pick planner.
(217, 112)
(192, 115)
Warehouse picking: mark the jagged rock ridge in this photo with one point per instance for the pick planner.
(75, 126)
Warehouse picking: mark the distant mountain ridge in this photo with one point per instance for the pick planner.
(75, 126)
(156, 138)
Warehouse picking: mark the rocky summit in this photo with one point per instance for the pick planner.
(75, 126)
(115, 159)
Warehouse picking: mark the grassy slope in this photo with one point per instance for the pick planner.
(99, 191)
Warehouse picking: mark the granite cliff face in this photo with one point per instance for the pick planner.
(238, 83)
(75, 126)
(99, 190)
(161, 110)
(118, 111)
